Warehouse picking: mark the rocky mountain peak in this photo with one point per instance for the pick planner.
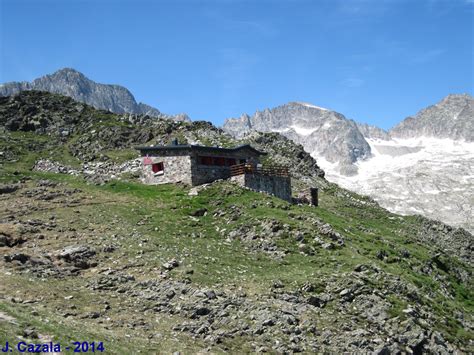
(322, 132)
(306, 104)
(452, 117)
(371, 131)
(67, 72)
(66, 79)
(465, 96)
(72, 83)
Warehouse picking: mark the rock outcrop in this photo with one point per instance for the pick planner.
(285, 152)
(371, 131)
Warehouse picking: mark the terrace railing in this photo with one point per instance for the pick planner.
(241, 169)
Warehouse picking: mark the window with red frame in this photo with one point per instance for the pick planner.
(219, 161)
(157, 167)
(205, 160)
(216, 161)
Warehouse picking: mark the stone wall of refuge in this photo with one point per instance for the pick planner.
(176, 168)
(279, 186)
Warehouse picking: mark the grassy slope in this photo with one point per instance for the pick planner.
(164, 212)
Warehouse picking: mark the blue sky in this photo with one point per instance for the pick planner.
(373, 61)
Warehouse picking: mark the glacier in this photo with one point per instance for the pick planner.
(429, 176)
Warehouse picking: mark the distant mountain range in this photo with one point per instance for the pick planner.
(424, 165)
(331, 136)
(70, 82)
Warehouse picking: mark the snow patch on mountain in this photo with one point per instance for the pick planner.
(312, 106)
(429, 176)
(303, 131)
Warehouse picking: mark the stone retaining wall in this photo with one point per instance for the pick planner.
(278, 186)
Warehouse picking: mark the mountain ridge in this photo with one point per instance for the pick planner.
(451, 117)
(434, 121)
(72, 83)
(321, 131)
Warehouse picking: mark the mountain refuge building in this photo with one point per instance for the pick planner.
(196, 165)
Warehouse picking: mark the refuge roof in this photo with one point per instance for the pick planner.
(193, 147)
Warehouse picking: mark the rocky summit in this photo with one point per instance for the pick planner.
(452, 117)
(87, 252)
(74, 84)
(322, 132)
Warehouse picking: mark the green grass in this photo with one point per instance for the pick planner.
(122, 155)
(169, 229)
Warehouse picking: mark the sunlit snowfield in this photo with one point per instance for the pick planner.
(429, 176)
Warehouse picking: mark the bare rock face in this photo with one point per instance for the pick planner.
(452, 117)
(322, 132)
(370, 131)
(70, 82)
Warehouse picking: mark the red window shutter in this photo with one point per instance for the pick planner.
(157, 167)
(219, 161)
